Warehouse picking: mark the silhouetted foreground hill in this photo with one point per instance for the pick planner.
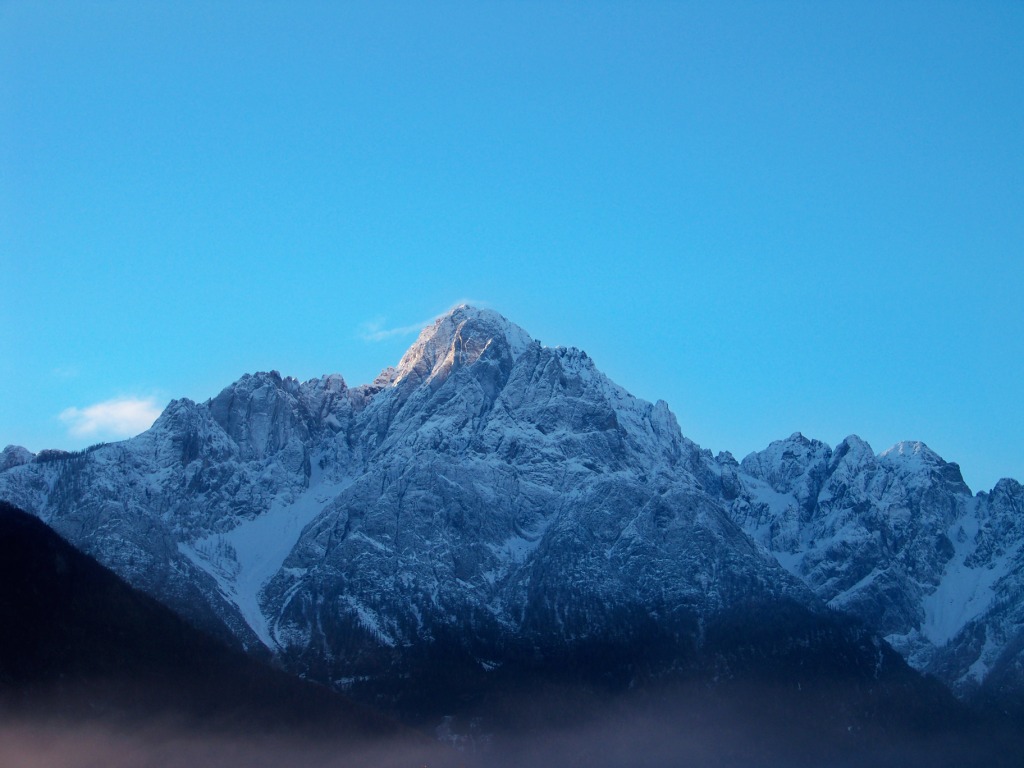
(77, 640)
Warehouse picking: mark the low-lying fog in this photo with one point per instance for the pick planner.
(633, 739)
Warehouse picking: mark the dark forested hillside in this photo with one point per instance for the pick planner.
(77, 640)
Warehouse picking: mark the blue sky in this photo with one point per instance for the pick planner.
(777, 217)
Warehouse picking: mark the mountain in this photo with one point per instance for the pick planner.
(898, 540)
(497, 504)
(487, 488)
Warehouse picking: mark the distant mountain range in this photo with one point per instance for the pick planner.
(898, 540)
(502, 505)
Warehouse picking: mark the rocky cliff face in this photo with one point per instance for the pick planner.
(898, 540)
(495, 494)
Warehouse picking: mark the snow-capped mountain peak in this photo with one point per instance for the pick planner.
(917, 464)
(898, 540)
(912, 451)
(854, 454)
(459, 337)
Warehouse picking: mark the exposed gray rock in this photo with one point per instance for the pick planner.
(15, 456)
(898, 540)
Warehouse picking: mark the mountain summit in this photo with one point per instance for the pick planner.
(459, 338)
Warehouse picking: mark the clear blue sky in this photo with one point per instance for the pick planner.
(776, 216)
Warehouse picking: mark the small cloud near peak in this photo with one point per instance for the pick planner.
(119, 417)
(378, 330)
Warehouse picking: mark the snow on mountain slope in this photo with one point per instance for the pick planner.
(244, 559)
(896, 539)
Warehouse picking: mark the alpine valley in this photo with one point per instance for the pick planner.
(493, 518)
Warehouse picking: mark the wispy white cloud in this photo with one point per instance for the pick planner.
(66, 372)
(120, 417)
(378, 330)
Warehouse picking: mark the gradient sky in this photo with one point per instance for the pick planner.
(776, 216)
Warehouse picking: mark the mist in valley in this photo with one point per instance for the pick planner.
(756, 730)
